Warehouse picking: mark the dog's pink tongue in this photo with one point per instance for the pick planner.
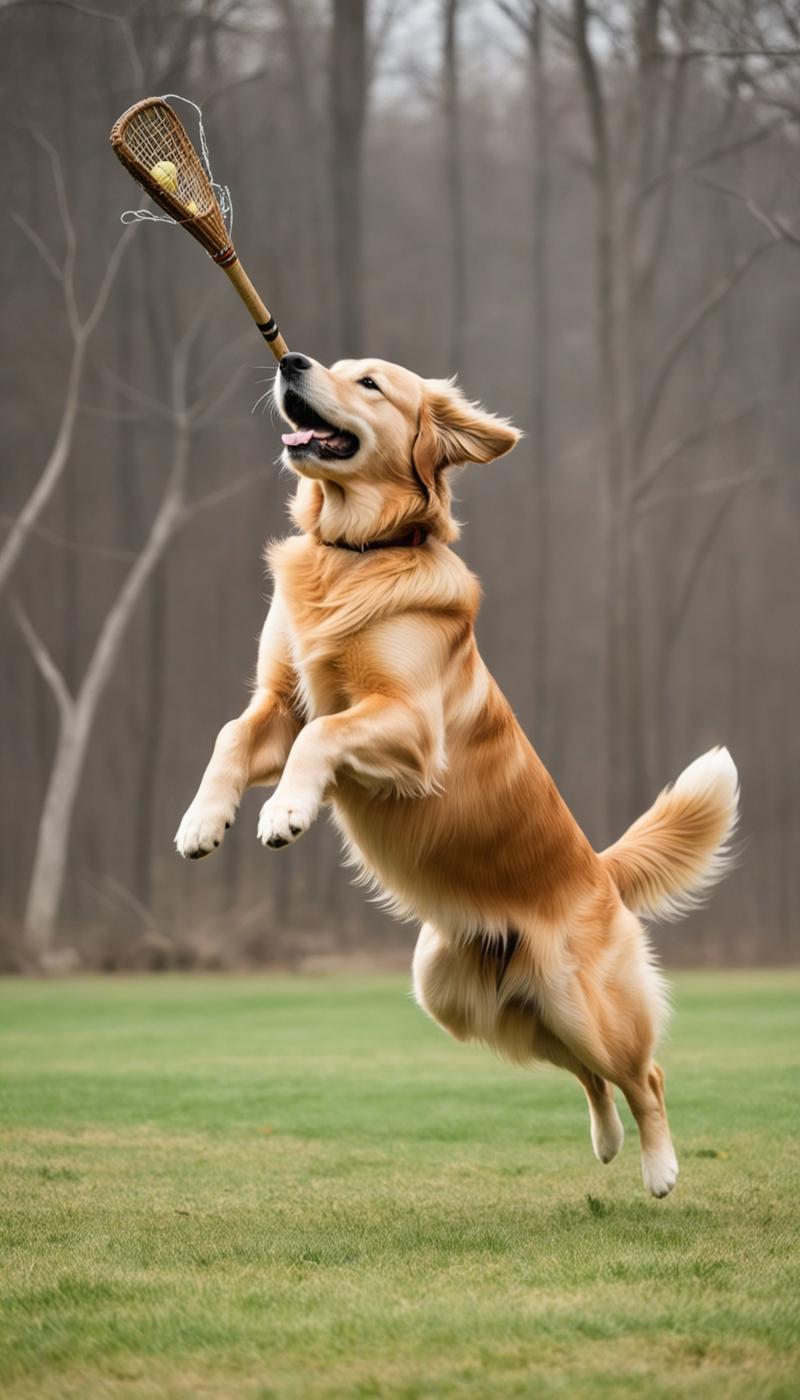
(297, 439)
(305, 435)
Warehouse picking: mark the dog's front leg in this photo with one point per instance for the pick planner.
(381, 740)
(249, 751)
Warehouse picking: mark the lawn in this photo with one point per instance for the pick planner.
(230, 1186)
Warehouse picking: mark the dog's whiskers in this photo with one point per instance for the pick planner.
(260, 400)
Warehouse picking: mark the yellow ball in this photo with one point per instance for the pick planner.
(192, 207)
(165, 174)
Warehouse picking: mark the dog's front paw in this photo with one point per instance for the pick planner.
(283, 820)
(203, 828)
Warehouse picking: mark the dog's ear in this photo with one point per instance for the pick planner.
(453, 431)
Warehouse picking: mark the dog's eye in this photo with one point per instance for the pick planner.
(368, 383)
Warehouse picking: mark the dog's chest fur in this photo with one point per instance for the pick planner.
(322, 687)
(334, 600)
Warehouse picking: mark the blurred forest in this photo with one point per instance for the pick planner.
(592, 214)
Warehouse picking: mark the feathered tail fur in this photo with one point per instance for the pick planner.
(666, 863)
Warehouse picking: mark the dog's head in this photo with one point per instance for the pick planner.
(373, 442)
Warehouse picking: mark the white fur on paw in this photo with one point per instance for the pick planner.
(203, 828)
(608, 1134)
(281, 822)
(660, 1170)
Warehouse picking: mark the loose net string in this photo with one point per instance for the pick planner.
(159, 144)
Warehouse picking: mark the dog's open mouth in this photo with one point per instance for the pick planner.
(313, 435)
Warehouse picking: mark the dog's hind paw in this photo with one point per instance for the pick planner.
(608, 1134)
(660, 1171)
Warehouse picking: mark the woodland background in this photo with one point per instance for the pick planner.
(592, 214)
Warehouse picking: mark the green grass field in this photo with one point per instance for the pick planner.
(300, 1187)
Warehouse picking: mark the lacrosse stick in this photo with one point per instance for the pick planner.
(153, 146)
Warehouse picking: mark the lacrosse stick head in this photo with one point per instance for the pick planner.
(152, 144)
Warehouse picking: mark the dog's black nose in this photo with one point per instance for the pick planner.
(292, 365)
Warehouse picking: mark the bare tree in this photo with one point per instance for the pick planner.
(77, 712)
(633, 384)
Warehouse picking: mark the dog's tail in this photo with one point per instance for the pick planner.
(669, 859)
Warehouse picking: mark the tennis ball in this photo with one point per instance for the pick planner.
(164, 173)
(192, 207)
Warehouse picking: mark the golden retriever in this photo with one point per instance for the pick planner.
(370, 695)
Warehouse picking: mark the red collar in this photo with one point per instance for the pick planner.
(415, 537)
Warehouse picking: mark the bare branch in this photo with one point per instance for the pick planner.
(44, 661)
(145, 401)
(115, 895)
(231, 347)
(52, 472)
(216, 498)
(101, 551)
(677, 446)
(377, 41)
(40, 246)
(709, 488)
(125, 26)
(208, 407)
(255, 75)
(109, 277)
(728, 148)
(180, 361)
(559, 21)
(790, 110)
(688, 584)
(109, 415)
(677, 344)
(66, 223)
(774, 225)
(522, 22)
(688, 54)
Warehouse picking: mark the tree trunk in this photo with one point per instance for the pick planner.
(614, 568)
(312, 211)
(56, 462)
(454, 169)
(540, 335)
(348, 88)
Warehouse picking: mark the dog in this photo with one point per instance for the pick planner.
(370, 695)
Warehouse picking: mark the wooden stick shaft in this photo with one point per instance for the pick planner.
(267, 324)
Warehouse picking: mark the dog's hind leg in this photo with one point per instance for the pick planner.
(605, 1123)
(645, 1094)
(611, 1027)
(625, 1061)
(606, 1127)
(451, 985)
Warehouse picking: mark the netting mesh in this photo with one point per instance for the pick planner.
(157, 141)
